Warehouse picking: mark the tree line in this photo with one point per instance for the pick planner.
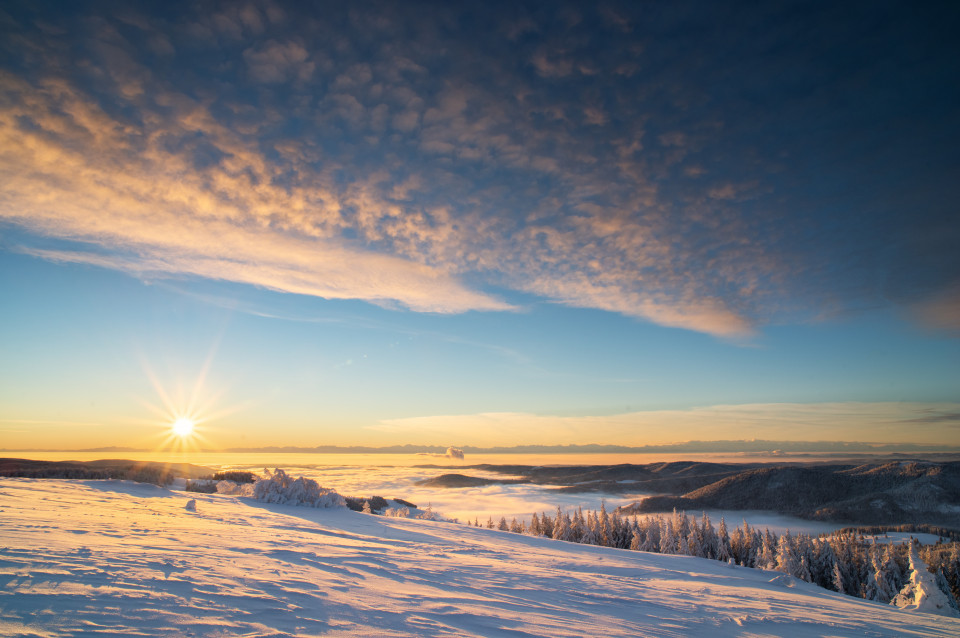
(845, 561)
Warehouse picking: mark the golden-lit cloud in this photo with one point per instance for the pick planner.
(78, 177)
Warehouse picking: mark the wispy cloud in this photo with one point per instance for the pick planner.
(870, 422)
(940, 311)
(42, 422)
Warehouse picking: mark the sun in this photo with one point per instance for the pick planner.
(183, 427)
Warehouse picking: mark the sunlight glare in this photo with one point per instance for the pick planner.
(183, 427)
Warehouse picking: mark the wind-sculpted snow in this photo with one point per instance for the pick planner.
(279, 487)
(922, 592)
(111, 558)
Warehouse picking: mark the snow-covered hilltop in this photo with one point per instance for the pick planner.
(112, 557)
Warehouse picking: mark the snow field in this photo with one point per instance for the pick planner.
(96, 558)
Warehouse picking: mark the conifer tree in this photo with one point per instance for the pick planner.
(895, 576)
(620, 531)
(667, 541)
(576, 526)
(768, 556)
(561, 528)
(603, 527)
(751, 545)
(879, 583)
(535, 529)
(546, 525)
(945, 588)
(804, 570)
(723, 542)
(786, 559)
(708, 538)
(637, 541)
(651, 535)
(838, 584)
(590, 535)
(694, 545)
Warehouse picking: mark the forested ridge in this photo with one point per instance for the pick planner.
(847, 561)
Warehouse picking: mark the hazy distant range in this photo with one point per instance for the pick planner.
(792, 448)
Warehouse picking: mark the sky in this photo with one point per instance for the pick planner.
(374, 223)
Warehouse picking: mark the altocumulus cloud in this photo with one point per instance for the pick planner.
(606, 158)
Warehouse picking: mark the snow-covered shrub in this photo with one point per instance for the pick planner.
(414, 512)
(234, 489)
(202, 486)
(429, 515)
(279, 487)
(235, 476)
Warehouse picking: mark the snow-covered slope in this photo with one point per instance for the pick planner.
(116, 558)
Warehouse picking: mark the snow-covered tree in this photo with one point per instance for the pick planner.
(668, 543)
(786, 557)
(535, 529)
(768, 553)
(590, 535)
(546, 525)
(837, 578)
(603, 527)
(722, 542)
(637, 541)
(651, 534)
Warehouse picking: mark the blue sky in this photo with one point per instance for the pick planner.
(558, 223)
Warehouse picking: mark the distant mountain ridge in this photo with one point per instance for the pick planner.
(700, 447)
(727, 446)
(872, 493)
(881, 493)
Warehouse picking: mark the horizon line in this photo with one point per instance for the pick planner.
(751, 446)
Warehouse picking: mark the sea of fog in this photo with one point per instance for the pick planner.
(396, 475)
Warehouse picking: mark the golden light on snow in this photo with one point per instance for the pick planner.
(183, 427)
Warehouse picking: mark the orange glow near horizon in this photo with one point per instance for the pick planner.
(182, 417)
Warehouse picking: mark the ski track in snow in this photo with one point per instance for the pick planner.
(96, 558)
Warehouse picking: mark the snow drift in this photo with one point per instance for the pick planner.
(118, 558)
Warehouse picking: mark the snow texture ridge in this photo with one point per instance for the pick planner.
(95, 558)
